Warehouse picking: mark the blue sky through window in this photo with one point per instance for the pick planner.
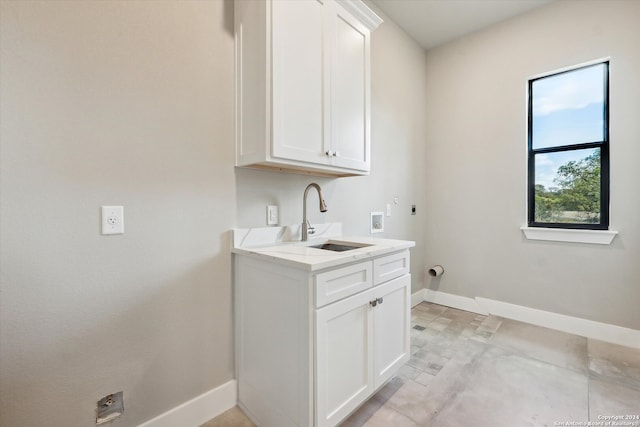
(567, 109)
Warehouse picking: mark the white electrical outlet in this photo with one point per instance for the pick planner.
(112, 219)
(272, 215)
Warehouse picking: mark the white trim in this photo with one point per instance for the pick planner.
(418, 297)
(362, 12)
(571, 67)
(455, 301)
(598, 237)
(200, 409)
(574, 325)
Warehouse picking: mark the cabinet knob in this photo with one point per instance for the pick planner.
(335, 154)
(330, 153)
(380, 300)
(373, 303)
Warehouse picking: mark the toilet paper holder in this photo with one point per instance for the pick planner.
(436, 271)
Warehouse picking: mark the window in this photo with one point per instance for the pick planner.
(568, 183)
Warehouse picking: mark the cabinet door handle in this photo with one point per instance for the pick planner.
(330, 153)
(373, 303)
(335, 153)
(380, 300)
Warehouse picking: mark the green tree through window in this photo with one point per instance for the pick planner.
(577, 195)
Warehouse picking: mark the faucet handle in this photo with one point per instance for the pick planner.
(310, 229)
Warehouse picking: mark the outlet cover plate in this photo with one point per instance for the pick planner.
(272, 215)
(112, 219)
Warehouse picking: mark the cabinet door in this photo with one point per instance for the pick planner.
(392, 317)
(344, 357)
(298, 88)
(350, 140)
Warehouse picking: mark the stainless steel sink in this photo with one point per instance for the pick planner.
(339, 246)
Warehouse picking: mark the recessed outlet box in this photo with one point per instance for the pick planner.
(377, 222)
(112, 219)
(109, 407)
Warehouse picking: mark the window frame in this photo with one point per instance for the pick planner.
(602, 145)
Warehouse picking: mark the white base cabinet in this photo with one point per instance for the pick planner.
(308, 352)
(361, 342)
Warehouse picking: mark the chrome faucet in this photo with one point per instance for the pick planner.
(306, 227)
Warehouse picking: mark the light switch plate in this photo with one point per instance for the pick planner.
(112, 219)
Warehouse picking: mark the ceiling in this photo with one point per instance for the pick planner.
(435, 22)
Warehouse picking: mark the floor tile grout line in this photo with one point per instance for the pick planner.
(544, 362)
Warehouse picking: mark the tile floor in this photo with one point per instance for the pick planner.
(473, 370)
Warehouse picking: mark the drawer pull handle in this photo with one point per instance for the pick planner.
(376, 301)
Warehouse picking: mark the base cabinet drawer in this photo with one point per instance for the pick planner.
(389, 267)
(342, 282)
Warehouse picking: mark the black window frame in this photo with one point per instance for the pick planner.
(604, 158)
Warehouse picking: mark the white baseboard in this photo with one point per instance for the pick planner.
(418, 297)
(574, 325)
(200, 409)
(455, 301)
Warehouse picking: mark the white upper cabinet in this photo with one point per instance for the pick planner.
(298, 80)
(303, 85)
(350, 143)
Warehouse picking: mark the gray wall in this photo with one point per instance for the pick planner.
(111, 102)
(398, 145)
(476, 164)
(131, 103)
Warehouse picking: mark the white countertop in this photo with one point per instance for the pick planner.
(268, 244)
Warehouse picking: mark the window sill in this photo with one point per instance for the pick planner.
(598, 237)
